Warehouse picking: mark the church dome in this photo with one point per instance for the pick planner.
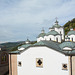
(27, 41)
(71, 32)
(41, 35)
(52, 33)
(67, 44)
(56, 25)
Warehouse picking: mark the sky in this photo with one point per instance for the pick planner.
(22, 19)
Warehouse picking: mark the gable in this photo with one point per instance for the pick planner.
(41, 49)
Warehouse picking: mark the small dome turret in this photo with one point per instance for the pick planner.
(67, 45)
(27, 41)
(71, 32)
(42, 34)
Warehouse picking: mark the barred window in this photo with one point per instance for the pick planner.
(64, 66)
(39, 62)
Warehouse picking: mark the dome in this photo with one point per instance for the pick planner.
(56, 25)
(71, 32)
(41, 35)
(23, 46)
(67, 44)
(52, 33)
(27, 40)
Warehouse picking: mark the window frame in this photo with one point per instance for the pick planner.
(63, 68)
(4, 58)
(37, 65)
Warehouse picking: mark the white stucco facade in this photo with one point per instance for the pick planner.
(40, 39)
(52, 62)
(50, 37)
(58, 38)
(72, 37)
(60, 31)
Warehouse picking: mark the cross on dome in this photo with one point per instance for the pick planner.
(56, 22)
(42, 30)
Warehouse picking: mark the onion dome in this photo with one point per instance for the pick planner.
(67, 44)
(52, 33)
(56, 25)
(71, 32)
(42, 34)
(22, 47)
(27, 41)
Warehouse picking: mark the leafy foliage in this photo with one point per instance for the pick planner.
(68, 25)
(10, 45)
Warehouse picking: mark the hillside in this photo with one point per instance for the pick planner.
(13, 45)
(68, 25)
(10, 45)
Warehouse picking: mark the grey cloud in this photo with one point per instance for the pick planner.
(22, 18)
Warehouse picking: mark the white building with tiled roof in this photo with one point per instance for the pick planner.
(49, 56)
(56, 33)
(70, 35)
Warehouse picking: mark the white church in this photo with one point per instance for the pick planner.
(53, 54)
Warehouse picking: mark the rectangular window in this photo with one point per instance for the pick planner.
(64, 67)
(19, 63)
(39, 62)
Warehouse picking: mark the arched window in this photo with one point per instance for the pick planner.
(60, 32)
(50, 39)
(72, 39)
(4, 58)
(57, 39)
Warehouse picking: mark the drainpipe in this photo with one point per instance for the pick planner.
(71, 64)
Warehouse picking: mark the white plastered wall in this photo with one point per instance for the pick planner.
(49, 37)
(60, 30)
(52, 62)
(40, 39)
(72, 36)
(59, 38)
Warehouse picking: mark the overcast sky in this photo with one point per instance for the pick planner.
(20, 19)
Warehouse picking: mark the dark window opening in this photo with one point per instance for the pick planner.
(4, 58)
(64, 66)
(60, 32)
(39, 62)
(50, 39)
(19, 63)
(57, 39)
(72, 39)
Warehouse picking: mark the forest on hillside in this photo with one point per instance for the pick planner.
(68, 25)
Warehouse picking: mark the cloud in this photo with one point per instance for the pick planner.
(22, 18)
